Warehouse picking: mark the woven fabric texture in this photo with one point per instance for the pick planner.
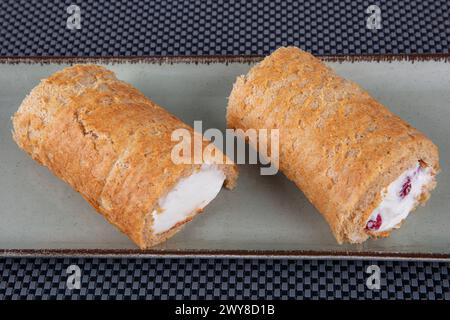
(198, 27)
(45, 278)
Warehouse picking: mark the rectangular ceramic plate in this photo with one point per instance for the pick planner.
(264, 216)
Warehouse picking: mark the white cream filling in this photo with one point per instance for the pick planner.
(394, 208)
(189, 195)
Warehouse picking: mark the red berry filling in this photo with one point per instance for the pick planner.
(374, 225)
(406, 188)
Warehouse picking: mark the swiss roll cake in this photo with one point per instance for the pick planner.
(114, 146)
(363, 167)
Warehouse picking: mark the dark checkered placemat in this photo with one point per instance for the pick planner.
(148, 28)
(46, 278)
(177, 27)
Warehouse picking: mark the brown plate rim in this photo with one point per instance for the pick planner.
(230, 254)
(158, 59)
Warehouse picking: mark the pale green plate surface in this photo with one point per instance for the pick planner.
(264, 213)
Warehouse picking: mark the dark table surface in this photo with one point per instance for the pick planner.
(37, 29)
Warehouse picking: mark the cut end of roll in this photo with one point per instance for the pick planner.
(399, 199)
(411, 188)
(188, 197)
(185, 200)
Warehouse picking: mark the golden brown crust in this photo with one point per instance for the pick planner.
(109, 142)
(339, 145)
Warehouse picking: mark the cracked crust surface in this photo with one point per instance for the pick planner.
(109, 142)
(338, 144)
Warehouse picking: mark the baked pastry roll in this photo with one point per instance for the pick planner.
(113, 145)
(361, 166)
